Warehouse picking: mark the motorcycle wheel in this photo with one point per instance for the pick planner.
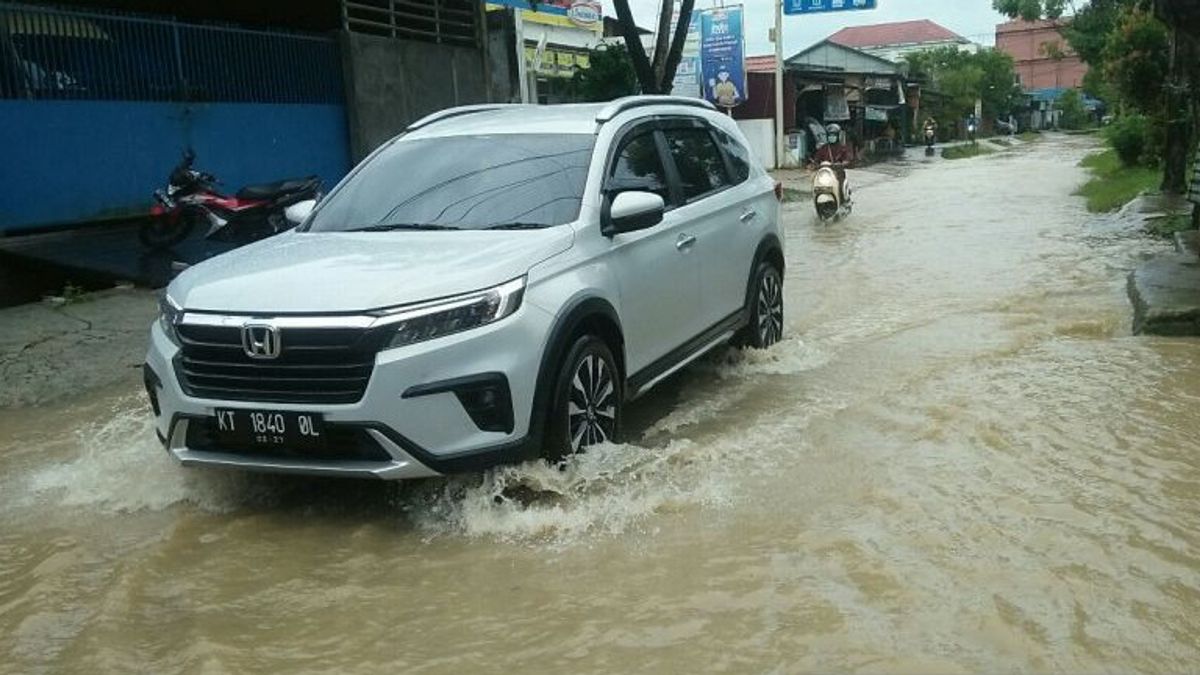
(162, 233)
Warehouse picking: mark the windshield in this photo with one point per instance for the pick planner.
(501, 181)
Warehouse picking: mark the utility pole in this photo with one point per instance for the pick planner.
(779, 141)
(522, 70)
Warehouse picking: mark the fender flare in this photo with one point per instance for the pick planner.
(769, 244)
(565, 325)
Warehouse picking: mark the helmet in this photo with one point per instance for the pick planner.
(833, 133)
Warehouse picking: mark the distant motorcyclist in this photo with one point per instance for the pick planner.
(836, 152)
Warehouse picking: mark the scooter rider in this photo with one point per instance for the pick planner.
(835, 151)
(931, 126)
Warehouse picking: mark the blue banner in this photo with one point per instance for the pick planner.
(722, 56)
(815, 6)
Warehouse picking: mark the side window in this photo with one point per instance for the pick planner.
(638, 166)
(739, 156)
(701, 167)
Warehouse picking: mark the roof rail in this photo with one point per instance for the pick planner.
(630, 102)
(458, 112)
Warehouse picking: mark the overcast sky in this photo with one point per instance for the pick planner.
(973, 19)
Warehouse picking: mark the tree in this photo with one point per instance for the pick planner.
(1074, 114)
(657, 76)
(963, 78)
(609, 75)
(1137, 60)
(1031, 10)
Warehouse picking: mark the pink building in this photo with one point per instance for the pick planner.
(1043, 58)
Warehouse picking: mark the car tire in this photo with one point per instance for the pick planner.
(587, 400)
(766, 308)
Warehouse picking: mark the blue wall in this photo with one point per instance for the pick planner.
(71, 161)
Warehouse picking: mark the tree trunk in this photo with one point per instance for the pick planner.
(1179, 122)
(676, 52)
(633, 41)
(662, 43)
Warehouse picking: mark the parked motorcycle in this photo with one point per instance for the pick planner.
(930, 140)
(831, 192)
(255, 212)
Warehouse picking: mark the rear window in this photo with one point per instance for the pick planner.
(701, 167)
(464, 182)
(739, 156)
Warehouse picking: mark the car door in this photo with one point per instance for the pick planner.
(656, 268)
(719, 214)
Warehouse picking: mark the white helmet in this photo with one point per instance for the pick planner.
(833, 133)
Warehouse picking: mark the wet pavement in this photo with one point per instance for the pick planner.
(959, 460)
(96, 256)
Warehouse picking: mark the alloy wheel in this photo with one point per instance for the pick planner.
(770, 309)
(591, 409)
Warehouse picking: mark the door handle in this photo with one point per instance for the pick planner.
(685, 241)
(749, 215)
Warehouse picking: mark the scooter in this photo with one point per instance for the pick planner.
(831, 193)
(930, 140)
(255, 212)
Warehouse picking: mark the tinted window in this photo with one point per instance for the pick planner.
(701, 167)
(739, 156)
(468, 182)
(639, 167)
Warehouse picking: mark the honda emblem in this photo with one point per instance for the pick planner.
(261, 341)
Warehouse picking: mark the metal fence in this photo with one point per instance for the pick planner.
(454, 22)
(50, 53)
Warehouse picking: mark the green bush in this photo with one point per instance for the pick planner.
(1074, 114)
(1130, 136)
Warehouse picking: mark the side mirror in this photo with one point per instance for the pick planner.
(632, 211)
(296, 213)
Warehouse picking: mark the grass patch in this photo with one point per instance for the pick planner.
(1029, 136)
(1167, 226)
(968, 150)
(1114, 185)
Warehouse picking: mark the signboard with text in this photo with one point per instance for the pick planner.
(816, 6)
(585, 14)
(687, 75)
(722, 56)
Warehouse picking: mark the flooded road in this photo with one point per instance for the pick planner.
(958, 460)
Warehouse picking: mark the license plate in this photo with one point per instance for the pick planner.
(269, 429)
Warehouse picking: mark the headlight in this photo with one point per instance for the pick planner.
(417, 323)
(169, 315)
(826, 179)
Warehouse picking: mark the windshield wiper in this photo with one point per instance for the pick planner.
(517, 226)
(400, 226)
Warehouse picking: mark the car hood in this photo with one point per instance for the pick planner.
(299, 272)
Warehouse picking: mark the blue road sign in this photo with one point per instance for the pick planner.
(815, 6)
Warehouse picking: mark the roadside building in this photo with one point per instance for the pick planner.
(556, 38)
(260, 94)
(1042, 57)
(893, 41)
(868, 96)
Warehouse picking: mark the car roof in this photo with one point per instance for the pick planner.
(568, 118)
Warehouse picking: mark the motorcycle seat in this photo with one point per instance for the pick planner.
(279, 188)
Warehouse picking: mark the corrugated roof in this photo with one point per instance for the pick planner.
(760, 64)
(899, 33)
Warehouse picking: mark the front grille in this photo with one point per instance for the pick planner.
(315, 365)
(342, 443)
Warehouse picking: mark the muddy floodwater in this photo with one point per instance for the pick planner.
(958, 460)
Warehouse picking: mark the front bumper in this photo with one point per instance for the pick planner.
(414, 436)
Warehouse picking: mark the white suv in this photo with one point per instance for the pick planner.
(491, 286)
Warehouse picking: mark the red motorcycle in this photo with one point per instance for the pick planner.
(190, 201)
